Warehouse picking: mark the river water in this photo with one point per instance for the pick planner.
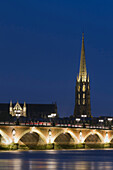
(57, 160)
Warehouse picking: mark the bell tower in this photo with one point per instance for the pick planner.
(82, 89)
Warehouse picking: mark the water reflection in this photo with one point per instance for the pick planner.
(57, 160)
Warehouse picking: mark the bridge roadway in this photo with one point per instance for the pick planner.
(49, 134)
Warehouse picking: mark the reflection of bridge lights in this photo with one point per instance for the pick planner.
(17, 163)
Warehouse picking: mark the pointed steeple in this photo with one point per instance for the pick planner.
(11, 108)
(88, 78)
(11, 103)
(82, 89)
(24, 110)
(24, 104)
(83, 71)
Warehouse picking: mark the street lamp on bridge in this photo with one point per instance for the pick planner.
(13, 133)
(49, 132)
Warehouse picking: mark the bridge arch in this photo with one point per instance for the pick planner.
(66, 131)
(6, 137)
(28, 131)
(111, 139)
(95, 133)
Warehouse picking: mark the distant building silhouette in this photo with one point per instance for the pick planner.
(82, 89)
(27, 111)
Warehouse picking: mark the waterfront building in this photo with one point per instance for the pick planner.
(82, 89)
(27, 111)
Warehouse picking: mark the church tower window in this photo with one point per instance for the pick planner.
(83, 101)
(78, 96)
(83, 88)
(78, 101)
(83, 96)
(79, 88)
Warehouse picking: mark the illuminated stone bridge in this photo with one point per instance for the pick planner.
(31, 135)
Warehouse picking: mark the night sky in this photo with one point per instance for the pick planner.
(40, 43)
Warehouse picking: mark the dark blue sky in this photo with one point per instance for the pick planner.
(40, 42)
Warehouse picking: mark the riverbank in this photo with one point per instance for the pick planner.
(55, 146)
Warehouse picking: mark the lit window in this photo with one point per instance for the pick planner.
(83, 96)
(79, 88)
(77, 119)
(110, 119)
(78, 102)
(83, 115)
(78, 96)
(83, 101)
(83, 88)
(101, 120)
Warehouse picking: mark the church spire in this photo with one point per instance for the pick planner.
(83, 71)
(82, 89)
